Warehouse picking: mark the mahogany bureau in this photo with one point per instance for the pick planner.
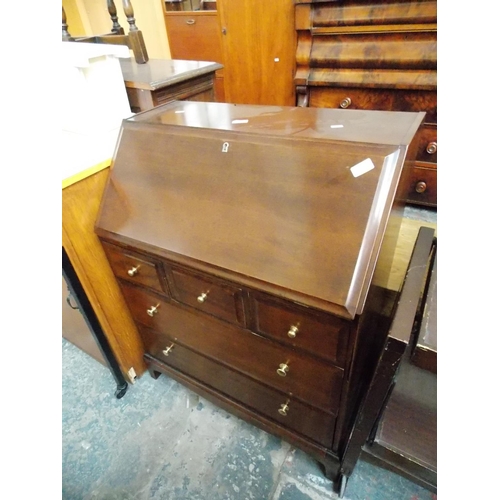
(382, 55)
(252, 245)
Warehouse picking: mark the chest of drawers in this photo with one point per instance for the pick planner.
(252, 245)
(362, 54)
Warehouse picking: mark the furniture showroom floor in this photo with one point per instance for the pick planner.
(161, 441)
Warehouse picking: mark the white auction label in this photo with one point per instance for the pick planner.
(362, 167)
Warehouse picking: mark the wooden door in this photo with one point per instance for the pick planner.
(258, 42)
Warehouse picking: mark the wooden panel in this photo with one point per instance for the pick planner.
(259, 51)
(312, 381)
(80, 205)
(375, 51)
(311, 423)
(319, 334)
(372, 13)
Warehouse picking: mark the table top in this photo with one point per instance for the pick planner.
(159, 73)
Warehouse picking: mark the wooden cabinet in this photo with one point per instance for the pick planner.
(358, 54)
(195, 36)
(164, 80)
(253, 245)
(254, 41)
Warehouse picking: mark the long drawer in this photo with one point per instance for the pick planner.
(270, 403)
(313, 381)
(375, 99)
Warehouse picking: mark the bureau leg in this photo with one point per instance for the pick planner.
(155, 374)
(331, 467)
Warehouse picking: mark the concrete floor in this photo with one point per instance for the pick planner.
(163, 442)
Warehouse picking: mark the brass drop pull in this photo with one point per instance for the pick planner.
(283, 410)
(432, 147)
(168, 349)
(153, 310)
(282, 370)
(133, 271)
(292, 333)
(420, 187)
(345, 103)
(202, 297)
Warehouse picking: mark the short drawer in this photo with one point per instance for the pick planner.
(207, 295)
(375, 99)
(423, 184)
(134, 268)
(427, 144)
(275, 405)
(314, 381)
(320, 334)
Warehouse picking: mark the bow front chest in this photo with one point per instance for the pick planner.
(253, 246)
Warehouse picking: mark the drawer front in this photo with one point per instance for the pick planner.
(313, 381)
(322, 335)
(294, 415)
(427, 144)
(423, 185)
(375, 99)
(129, 266)
(209, 296)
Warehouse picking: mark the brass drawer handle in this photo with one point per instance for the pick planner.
(283, 410)
(283, 369)
(133, 271)
(292, 333)
(202, 297)
(168, 349)
(345, 103)
(432, 147)
(420, 187)
(190, 21)
(153, 310)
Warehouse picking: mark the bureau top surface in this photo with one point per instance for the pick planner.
(294, 198)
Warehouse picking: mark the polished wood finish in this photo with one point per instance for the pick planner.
(255, 41)
(372, 55)
(80, 205)
(195, 36)
(259, 219)
(164, 80)
(258, 43)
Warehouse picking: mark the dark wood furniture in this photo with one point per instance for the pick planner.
(134, 40)
(396, 426)
(362, 54)
(164, 80)
(253, 246)
(254, 41)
